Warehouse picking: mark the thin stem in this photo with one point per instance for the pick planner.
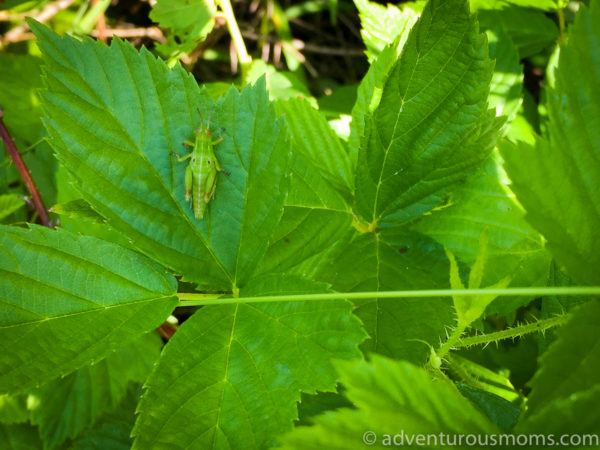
(188, 299)
(561, 24)
(236, 36)
(451, 342)
(16, 157)
(520, 330)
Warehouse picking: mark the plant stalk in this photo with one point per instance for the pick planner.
(18, 160)
(236, 36)
(190, 299)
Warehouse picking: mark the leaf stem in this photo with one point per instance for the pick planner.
(18, 160)
(236, 36)
(190, 299)
(541, 325)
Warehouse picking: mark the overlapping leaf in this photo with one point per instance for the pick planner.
(232, 374)
(391, 397)
(432, 126)
(558, 180)
(116, 116)
(69, 299)
(515, 249)
(370, 262)
(64, 407)
(566, 385)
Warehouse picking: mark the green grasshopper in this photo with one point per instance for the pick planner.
(201, 172)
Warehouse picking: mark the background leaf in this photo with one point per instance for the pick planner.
(68, 300)
(240, 387)
(381, 25)
(390, 397)
(64, 407)
(567, 211)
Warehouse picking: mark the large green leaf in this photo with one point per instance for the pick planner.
(68, 300)
(375, 262)
(64, 407)
(391, 398)
(558, 180)
(232, 374)
(114, 126)
(432, 126)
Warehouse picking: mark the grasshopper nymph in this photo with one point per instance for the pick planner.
(201, 172)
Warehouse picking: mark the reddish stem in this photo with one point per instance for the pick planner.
(16, 157)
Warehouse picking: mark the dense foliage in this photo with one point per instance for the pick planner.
(363, 246)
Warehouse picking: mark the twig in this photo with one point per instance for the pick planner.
(153, 33)
(50, 10)
(16, 157)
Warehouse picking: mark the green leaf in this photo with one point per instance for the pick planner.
(54, 284)
(515, 248)
(567, 210)
(368, 97)
(370, 262)
(314, 138)
(281, 85)
(530, 30)
(571, 363)
(546, 5)
(432, 126)
(240, 387)
(577, 414)
(112, 430)
(507, 80)
(498, 410)
(19, 79)
(124, 168)
(77, 209)
(390, 397)
(9, 203)
(381, 25)
(64, 407)
(20, 437)
(188, 21)
(13, 409)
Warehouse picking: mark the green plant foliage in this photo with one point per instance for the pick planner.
(79, 399)
(567, 211)
(530, 30)
(381, 25)
(189, 22)
(9, 203)
(369, 262)
(55, 284)
(390, 396)
(112, 430)
(566, 385)
(432, 124)
(515, 248)
(318, 296)
(239, 388)
(20, 437)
